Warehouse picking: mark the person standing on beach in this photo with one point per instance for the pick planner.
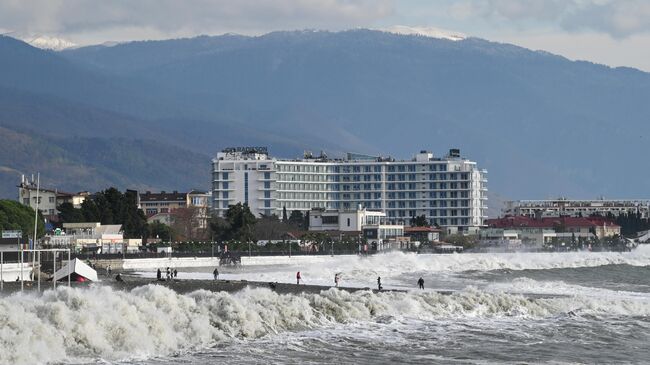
(379, 283)
(169, 273)
(175, 273)
(108, 270)
(298, 277)
(159, 275)
(216, 273)
(336, 280)
(421, 283)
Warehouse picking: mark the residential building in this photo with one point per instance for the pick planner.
(541, 230)
(449, 191)
(162, 202)
(160, 206)
(48, 199)
(563, 207)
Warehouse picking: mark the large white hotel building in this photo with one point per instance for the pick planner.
(449, 191)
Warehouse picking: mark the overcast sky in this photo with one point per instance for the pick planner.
(613, 32)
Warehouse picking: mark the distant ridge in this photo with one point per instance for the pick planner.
(541, 124)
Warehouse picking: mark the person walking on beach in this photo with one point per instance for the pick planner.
(379, 283)
(298, 277)
(421, 283)
(175, 273)
(216, 273)
(159, 275)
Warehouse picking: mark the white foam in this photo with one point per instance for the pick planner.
(98, 322)
(363, 272)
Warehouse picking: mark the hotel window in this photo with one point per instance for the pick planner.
(411, 167)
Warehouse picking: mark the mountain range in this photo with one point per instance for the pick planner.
(150, 114)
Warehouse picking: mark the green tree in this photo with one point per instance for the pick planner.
(159, 230)
(296, 218)
(15, 216)
(90, 211)
(238, 224)
(69, 214)
(419, 221)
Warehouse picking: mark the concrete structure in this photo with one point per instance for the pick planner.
(543, 230)
(343, 220)
(449, 191)
(92, 236)
(373, 225)
(48, 199)
(563, 207)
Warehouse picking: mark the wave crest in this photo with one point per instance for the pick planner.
(99, 322)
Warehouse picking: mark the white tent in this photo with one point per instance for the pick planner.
(78, 270)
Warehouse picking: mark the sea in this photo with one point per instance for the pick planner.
(483, 308)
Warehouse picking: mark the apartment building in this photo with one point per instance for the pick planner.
(449, 191)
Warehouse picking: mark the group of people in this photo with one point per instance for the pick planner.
(337, 280)
(169, 274)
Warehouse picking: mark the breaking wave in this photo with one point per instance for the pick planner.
(102, 323)
(362, 272)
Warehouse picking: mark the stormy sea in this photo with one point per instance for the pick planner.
(582, 307)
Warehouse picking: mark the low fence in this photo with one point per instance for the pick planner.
(180, 254)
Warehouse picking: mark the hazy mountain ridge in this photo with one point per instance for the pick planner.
(541, 124)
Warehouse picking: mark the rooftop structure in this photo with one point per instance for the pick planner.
(48, 199)
(449, 191)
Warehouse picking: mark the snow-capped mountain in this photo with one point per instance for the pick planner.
(52, 43)
(426, 32)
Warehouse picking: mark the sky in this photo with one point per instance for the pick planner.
(611, 32)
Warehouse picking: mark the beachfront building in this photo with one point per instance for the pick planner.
(47, 199)
(563, 207)
(91, 236)
(449, 191)
(539, 231)
(160, 206)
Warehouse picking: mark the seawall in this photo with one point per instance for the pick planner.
(178, 262)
